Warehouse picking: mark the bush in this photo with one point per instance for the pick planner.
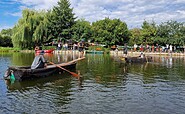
(6, 41)
(48, 47)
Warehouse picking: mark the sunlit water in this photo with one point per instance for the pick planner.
(108, 86)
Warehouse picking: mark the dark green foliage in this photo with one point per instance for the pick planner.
(30, 29)
(7, 32)
(5, 41)
(82, 30)
(5, 38)
(135, 37)
(171, 32)
(61, 21)
(110, 32)
(148, 32)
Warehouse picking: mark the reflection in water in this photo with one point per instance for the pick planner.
(48, 95)
(107, 86)
(21, 85)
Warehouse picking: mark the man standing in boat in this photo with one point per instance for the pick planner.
(39, 62)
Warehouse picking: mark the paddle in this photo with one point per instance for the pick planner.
(72, 73)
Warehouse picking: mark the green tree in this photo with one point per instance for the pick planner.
(30, 29)
(5, 41)
(110, 32)
(171, 32)
(5, 38)
(82, 30)
(135, 37)
(61, 21)
(7, 32)
(148, 32)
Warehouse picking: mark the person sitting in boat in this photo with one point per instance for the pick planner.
(39, 62)
(142, 55)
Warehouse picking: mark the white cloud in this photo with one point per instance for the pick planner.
(5, 27)
(133, 12)
(38, 4)
(16, 14)
(180, 1)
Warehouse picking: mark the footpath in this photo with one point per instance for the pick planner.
(120, 53)
(130, 53)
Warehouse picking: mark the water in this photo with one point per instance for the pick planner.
(108, 86)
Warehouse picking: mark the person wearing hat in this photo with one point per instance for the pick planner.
(39, 62)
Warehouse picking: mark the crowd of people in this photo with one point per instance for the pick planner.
(71, 46)
(168, 48)
(155, 48)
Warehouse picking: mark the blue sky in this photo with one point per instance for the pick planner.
(133, 12)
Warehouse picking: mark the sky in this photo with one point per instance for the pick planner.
(133, 12)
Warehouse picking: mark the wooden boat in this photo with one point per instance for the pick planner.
(136, 59)
(44, 51)
(21, 73)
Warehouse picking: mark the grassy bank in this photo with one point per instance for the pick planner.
(9, 49)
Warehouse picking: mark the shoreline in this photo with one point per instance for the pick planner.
(112, 53)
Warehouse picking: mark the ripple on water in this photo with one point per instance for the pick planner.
(157, 90)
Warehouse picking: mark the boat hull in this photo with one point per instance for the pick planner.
(44, 51)
(22, 73)
(136, 59)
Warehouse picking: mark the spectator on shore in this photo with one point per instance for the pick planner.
(171, 48)
(174, 49)
(163, 49)
(167, 47)
(66, 46)
(59, 46)
(116, 50)
(153, 48)
(135, 47)
(141, 48)
(81, 48)
(75, 46)
(125, 49)
(157, 48)
(147, 48)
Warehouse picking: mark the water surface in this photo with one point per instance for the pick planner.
(108, 86)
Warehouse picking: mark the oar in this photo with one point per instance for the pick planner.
(72, 73)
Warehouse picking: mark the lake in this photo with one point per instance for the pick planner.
(108, 86)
